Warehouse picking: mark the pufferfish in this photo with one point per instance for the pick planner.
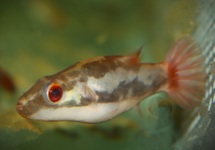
(101, 88)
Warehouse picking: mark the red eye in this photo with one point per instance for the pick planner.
(55, 93)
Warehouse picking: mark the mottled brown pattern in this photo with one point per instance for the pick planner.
(138, 89)
(38, 102)
(99, 68)
(85, 101)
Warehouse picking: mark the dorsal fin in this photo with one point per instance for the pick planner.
(135, 57)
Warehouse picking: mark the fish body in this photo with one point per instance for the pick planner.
(101, 88)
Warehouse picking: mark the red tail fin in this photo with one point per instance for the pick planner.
(186, 73)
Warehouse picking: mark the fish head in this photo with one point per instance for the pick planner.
(50, 94)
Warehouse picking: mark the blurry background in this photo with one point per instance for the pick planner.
(42, 37)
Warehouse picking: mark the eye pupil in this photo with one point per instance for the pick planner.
(55, 93)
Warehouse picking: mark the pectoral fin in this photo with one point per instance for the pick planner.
(88, 93)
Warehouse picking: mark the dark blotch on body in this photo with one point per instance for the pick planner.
(138, 90)
(99, 68)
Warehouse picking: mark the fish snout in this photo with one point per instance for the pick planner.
(21, 108)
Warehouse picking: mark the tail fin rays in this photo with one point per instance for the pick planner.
(186, 73)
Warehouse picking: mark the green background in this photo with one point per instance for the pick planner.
(39, 38)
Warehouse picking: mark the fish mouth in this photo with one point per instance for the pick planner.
(21, 109)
